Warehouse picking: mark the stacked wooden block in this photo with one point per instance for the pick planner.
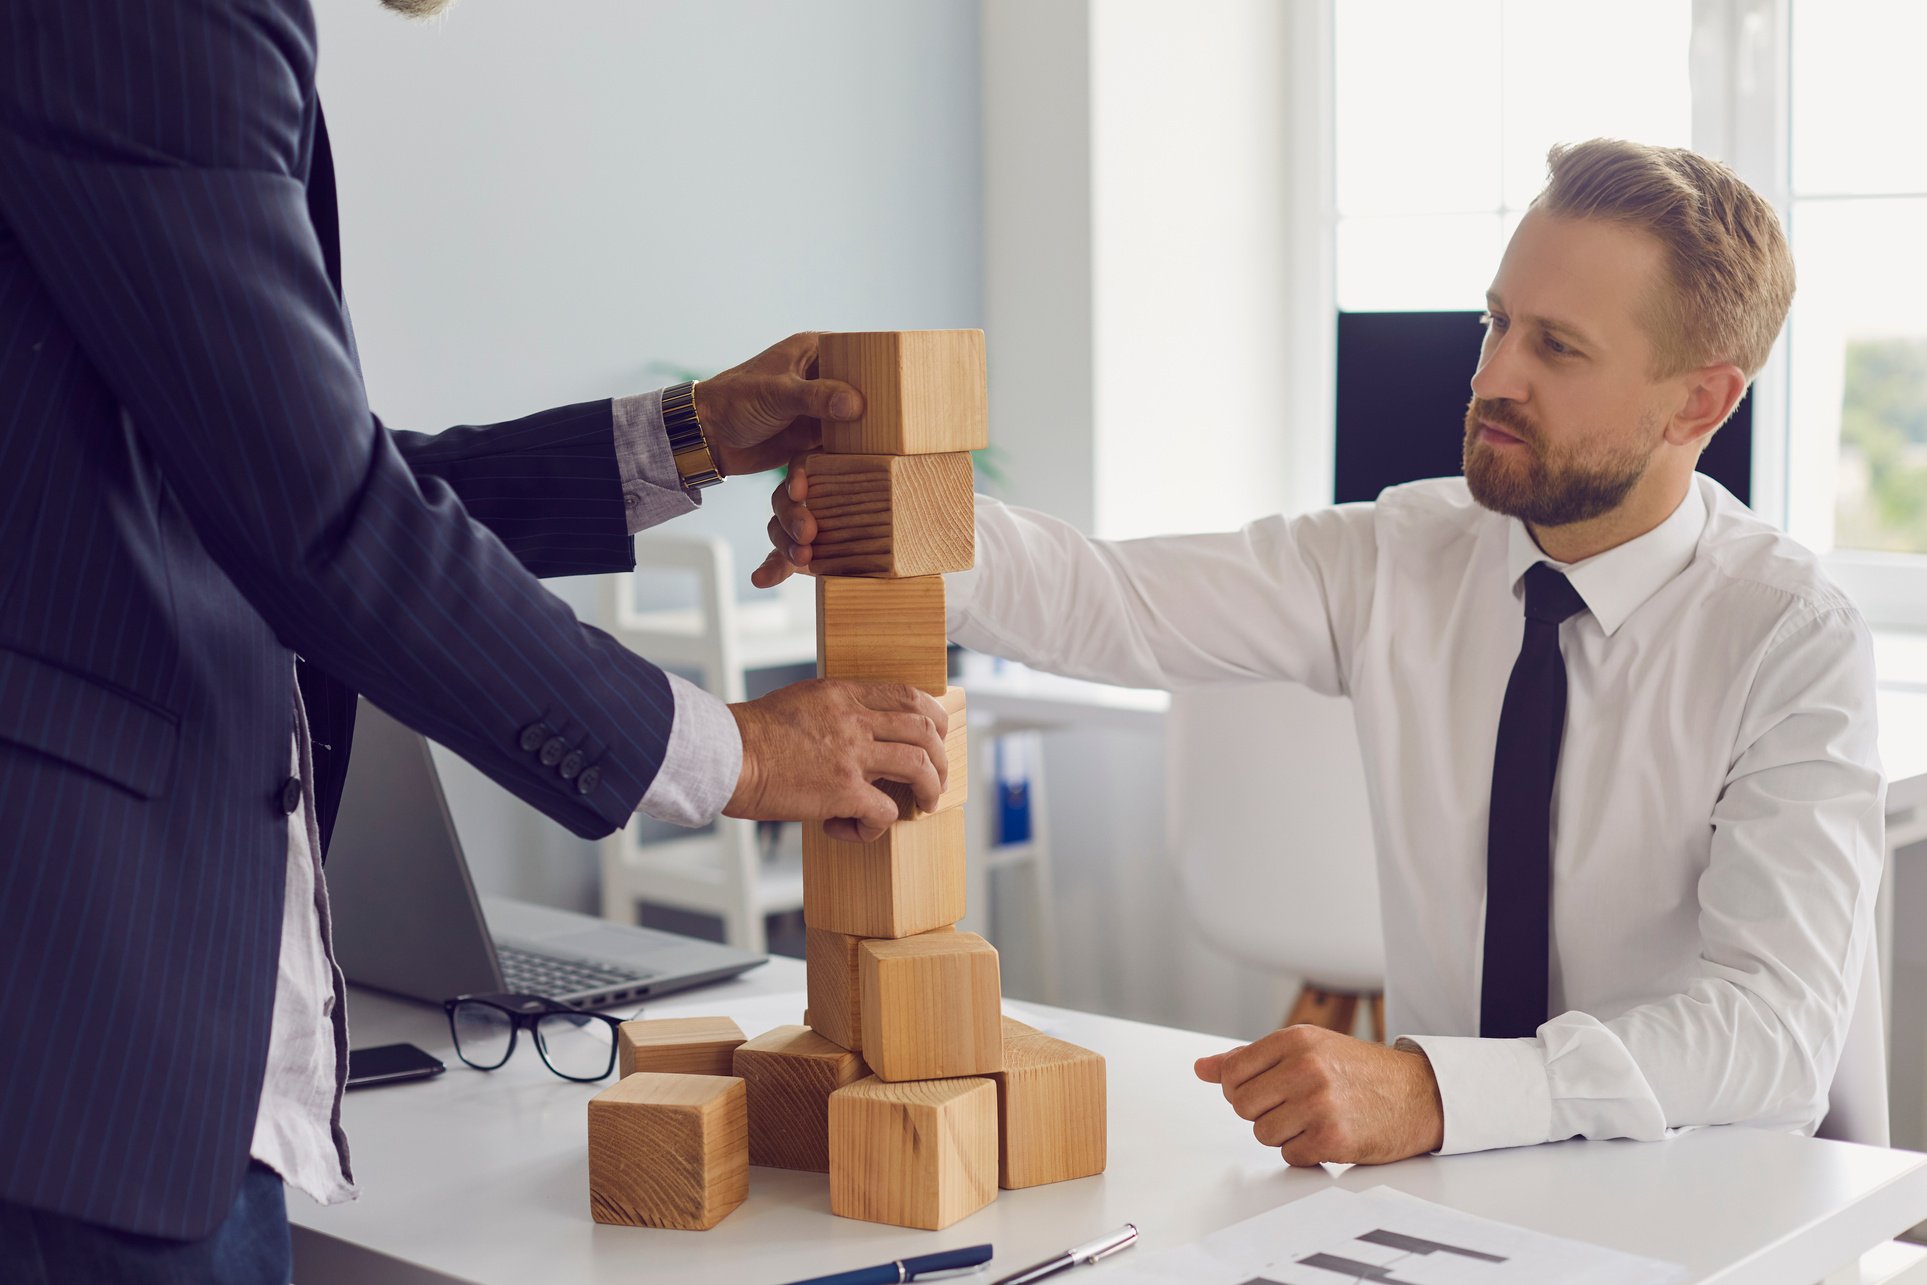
(907, 1086)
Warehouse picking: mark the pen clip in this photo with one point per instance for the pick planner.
(949, 1273)
(1104, 1246)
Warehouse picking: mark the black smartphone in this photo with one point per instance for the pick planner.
(389, 1063)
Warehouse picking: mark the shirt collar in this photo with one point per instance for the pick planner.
(1615, 583)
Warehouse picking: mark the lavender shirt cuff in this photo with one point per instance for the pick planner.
(652, 490)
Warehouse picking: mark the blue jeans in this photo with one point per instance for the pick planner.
(250, 1247)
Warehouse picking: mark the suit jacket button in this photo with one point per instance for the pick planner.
(571, 765)
(290, 795)
(534, 734)
(552, 751)
(587, 782)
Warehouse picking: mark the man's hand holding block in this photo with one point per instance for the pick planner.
(956, 747)
(923, 391)
(882, 631)
(679, 1045)
(915, 1155)
(1050, 1111)
(790, 1073)
(670, 1150)
(908, 880)
(931, 1006)
(891, 515)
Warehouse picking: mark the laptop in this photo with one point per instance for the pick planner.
(407, 919)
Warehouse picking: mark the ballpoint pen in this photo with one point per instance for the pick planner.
(950, 1262)
(1079, 1256)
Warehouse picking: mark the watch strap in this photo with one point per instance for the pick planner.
(688, 444)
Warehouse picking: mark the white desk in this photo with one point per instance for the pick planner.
(477, 1176)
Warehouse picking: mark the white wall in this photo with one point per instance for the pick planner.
(540, 201)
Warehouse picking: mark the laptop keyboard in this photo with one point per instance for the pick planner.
(529, 973)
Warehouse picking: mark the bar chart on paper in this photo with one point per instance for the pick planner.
(1384, 1237)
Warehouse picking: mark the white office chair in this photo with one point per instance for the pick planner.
(719, 871)
(1272, 835)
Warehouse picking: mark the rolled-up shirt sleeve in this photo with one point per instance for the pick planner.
(1786, 926)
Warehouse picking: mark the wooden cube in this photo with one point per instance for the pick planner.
(931, 1007)
(882, 631)
(790, 1073)
(1050, 1112)
(1014, 1028)
(669, 1150)
(679, 1045)
(923, 391)
(836, 1004)
(891, 515)
(916, 1155)
(956, 745)
(908, 880)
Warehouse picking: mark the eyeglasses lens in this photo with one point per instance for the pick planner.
(576, 1045)
(482, 1035)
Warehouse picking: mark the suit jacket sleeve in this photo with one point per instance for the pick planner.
(178, 247)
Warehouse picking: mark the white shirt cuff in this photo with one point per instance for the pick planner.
(1494, 1092)
(702, 762)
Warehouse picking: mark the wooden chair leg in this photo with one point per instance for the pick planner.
(1378, 1016)
(1329, 1009)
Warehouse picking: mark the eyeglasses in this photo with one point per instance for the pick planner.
(574, 1043)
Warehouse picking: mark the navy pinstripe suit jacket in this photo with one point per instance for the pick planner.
(192, 488)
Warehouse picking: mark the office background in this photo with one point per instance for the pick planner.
(1142, 205)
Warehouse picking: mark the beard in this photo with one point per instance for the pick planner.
(417, 8)
(1539, 488)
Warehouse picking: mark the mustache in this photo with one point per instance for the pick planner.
(1507, 416)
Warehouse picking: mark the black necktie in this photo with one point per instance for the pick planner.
(1518, 852)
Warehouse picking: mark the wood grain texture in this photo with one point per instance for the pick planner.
(882, 631)
(914, 1155)
(956, 748)
(836, 1007)
(1014, 1028)
(930, 1006)
(1051, 1116)
(923, 391)
(668, 1150)
(790, 1073)
(891, 515)
(677, 1045)
(908, 880)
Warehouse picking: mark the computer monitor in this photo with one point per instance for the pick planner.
(1403, 381)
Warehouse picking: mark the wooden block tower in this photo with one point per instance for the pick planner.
(917, 1143)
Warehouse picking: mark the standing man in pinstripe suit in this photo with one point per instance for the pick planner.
(208, 545)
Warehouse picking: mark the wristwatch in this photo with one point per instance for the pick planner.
(695, 462)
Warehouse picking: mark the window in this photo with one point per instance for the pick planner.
(1857, 340)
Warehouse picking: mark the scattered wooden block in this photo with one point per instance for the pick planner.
(956, 746)
(915, 1155)
(930, 1006)
(891, 515)
(668, 1150)
(923, 391)
(677, 1045)
(790, 1073)
(1050, 1111)
(836, 1004)
(882, 631)
(1014, 1028)
(908, 880)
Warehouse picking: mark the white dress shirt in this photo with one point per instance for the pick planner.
(1717, 817)
(297, 1128)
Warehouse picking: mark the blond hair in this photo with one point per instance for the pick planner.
(1729, 270)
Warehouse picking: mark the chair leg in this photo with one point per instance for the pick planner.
(1329, 1009)
(1378, 1016)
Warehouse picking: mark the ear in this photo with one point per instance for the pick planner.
(1711, 394)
